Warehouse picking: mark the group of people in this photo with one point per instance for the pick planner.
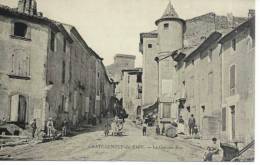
(157, 130)
(50, 129)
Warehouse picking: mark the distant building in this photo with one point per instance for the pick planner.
(195, 67)
(48, 70)
(132, 92)
(121, 62)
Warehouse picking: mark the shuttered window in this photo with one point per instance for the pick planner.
(20, 62)
(232, 80)
(166, 110)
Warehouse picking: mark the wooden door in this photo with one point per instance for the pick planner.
(22, 108)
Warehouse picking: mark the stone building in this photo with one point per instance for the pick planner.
(189, 34)
(188, 67)
(238, 82)
(51, 77)
(132, 92)
(121, 62)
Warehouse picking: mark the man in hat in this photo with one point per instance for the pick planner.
(34, 127)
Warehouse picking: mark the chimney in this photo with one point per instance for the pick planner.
(230, 19)
(27, 6)
(21, 6)
(251, 13)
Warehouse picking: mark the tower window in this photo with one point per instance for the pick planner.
(166, 26)
(20, 29)
(52, 41)
(234, 44)
(150, 46)
(64, 45)
(232, 79)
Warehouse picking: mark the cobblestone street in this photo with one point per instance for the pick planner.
(95, 146)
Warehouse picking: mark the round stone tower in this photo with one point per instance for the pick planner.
(171, 30)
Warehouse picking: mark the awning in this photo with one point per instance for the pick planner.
(151, 109)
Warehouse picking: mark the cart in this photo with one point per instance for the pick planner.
(117, 127)
(231, 153)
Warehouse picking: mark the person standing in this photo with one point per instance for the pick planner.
(65, 128)
(34, 127)
(144, 129)
(163, 130)
(191, 124)
(181, 125)
(49, 127)
(158, 130)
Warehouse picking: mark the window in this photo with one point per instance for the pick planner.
(166, 110)
(203, 108)
(63, 103)
(150, 46)
(192, 86)
(210, 55)
(224, 115)
(234, 44)
(20, 29)
(98, 92)
(188, 108)
(64, 45)
(166, 26)
(128, 79)
(98, 74)
(20, 62)
(192, 61)
(139, 78)
(232, 78)
(63, 71)
(139, 91)
(210, 83)
(52, 41)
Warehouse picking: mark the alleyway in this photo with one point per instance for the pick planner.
(95, 146)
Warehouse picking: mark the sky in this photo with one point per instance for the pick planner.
(113, 26)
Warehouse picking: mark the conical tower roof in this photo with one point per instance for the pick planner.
(169, 14)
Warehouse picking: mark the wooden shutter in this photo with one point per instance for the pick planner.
(224, 119)
(166, 110)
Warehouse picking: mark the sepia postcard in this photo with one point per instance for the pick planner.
(132, 80)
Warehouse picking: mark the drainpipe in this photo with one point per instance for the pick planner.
(158, 90)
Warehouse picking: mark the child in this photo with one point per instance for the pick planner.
(213, 149)
(107, 127)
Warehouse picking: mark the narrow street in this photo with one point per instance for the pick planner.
(95, 146)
